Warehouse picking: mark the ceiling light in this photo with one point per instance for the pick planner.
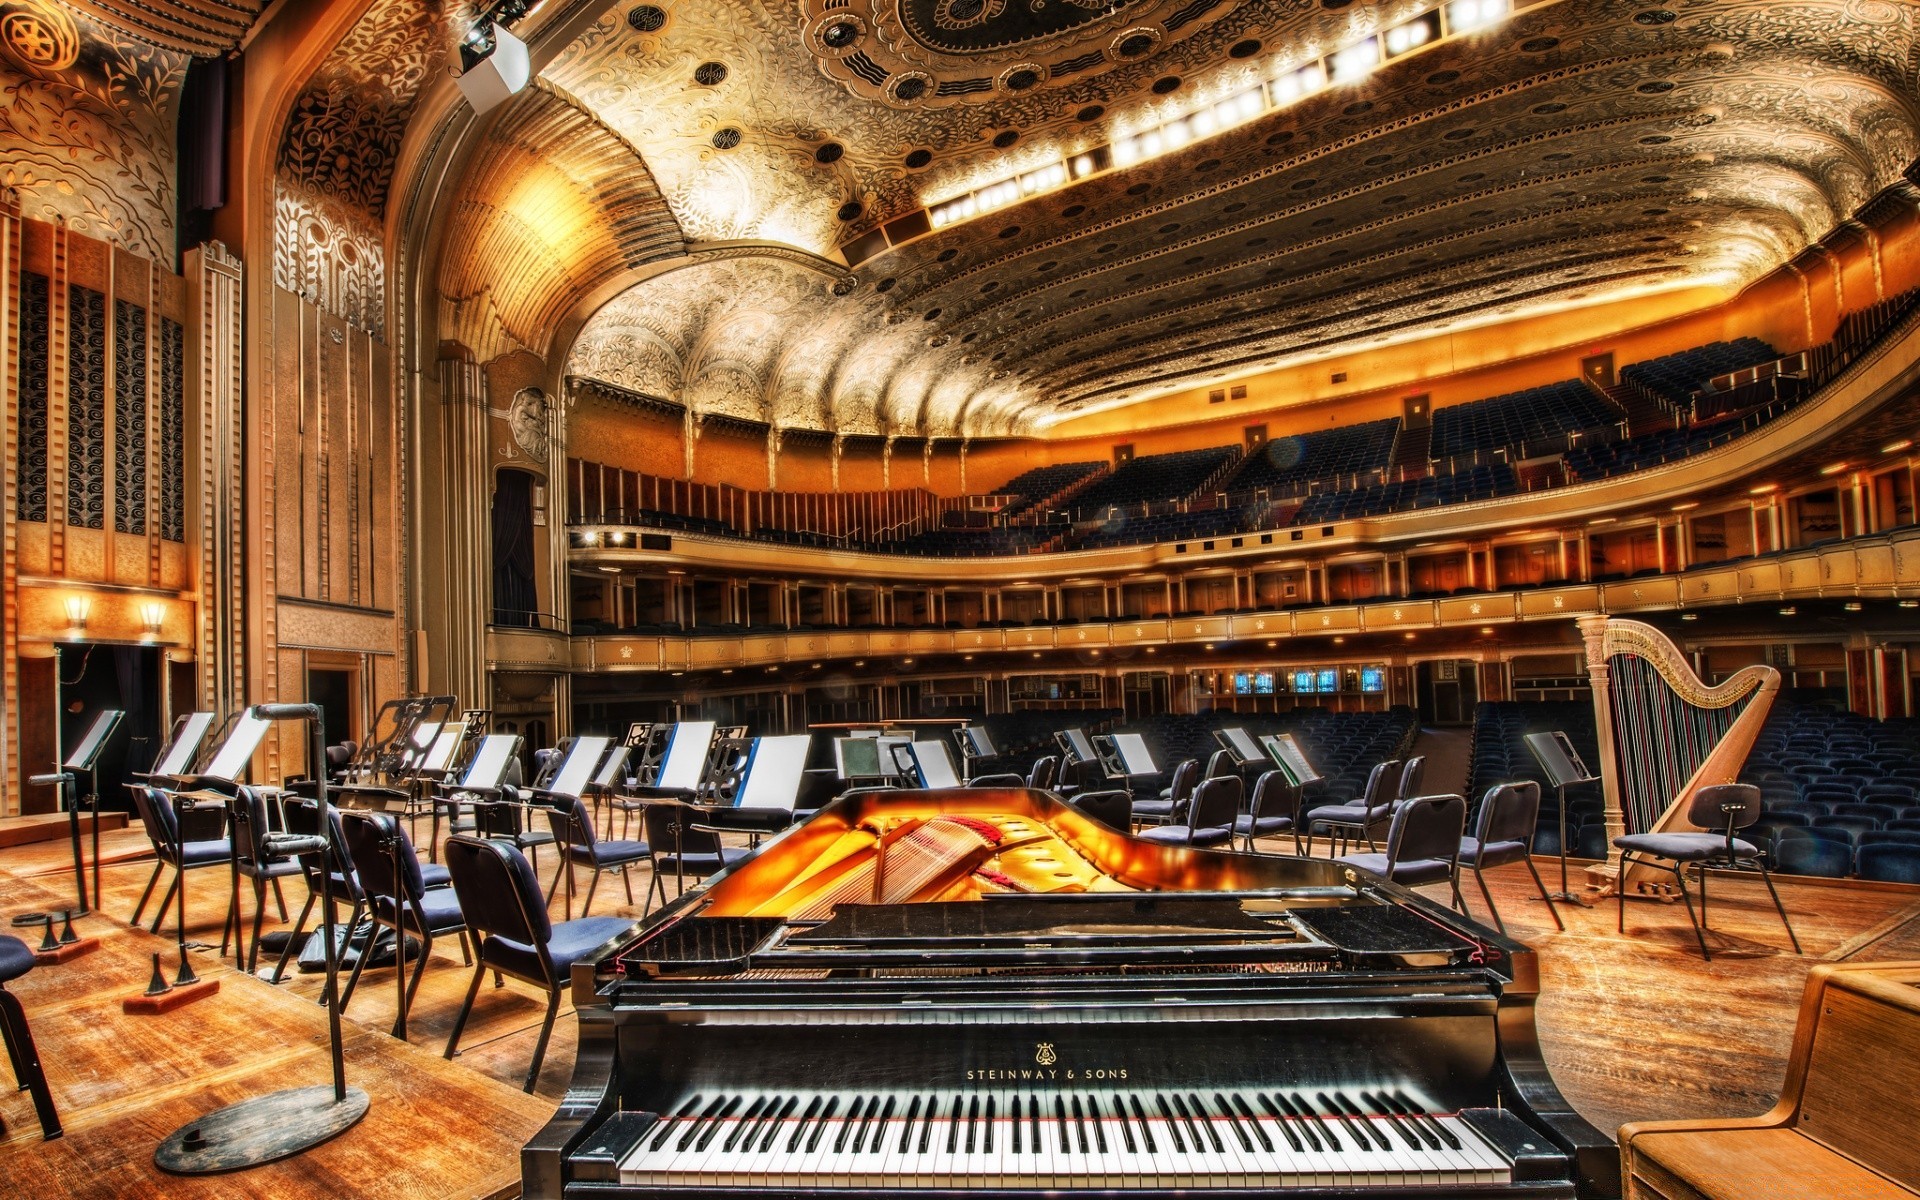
(1763, 489)
(1412, 35)
(1689, 616)
(1833, 468)
(1464, 16)
(1788, 610)
(1897, 447)
(1684, 505)
(1356, 60)
(1851, 606)
(494, 65)
(1910, 604)
(1486, 631)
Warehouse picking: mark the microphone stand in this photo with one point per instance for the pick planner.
(268, 1128)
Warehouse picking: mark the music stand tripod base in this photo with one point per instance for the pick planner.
(262, 1130)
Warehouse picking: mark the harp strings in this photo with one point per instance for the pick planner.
(1660, 738)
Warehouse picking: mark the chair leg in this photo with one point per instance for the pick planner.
(409, 989)
(153, 879)
(280, 898)
(460, 1021)
(1487, 895)
(1459, 905)
(286, 951)
(626, 877)
(466, 950)
(19, 1038)
(652, 884)
(1620, 889)
(1699, 931)
(540, 1047)
(259, 915)
(587, 905)
(359, 962)
(1553, 906)
(1768, 880)
(160, 914)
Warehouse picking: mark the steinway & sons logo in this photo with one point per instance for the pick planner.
(1046, 1068)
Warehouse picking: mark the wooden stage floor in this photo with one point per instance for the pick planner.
(1634, 1027)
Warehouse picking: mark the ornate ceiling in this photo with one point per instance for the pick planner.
(1574, 152)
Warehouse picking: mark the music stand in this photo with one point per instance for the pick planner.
(1238, 741)
(928, 763)
(1284, 749)
(1130, 749)
(975, 746)
(84, 758)
(1557, 757)
(268, 1128)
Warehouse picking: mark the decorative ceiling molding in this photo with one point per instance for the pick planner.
(201, 27)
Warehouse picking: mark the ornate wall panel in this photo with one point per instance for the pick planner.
(173, 434)
(129, 417)
(329, 252)
(86, 408)
(87, 125)
(31, 474)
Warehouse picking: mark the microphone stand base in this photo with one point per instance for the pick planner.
(262, 1130)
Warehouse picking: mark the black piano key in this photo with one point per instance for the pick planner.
(813, 1106)
(1233, 1121)
(1408, 1132)
(1310, 1126)
(1370, 1127)
(867, 1126)
(1099, 1134)
(1346, 1122)
(1196, 1118)
(926, 1129)
(773, 1126)
(693, 1127)
(1033, 1123)
(1146, 1131)
(1126, 1126)
(1253, 1124)
(1016, 1124)
(820, 1126)
(986, 1130)
(1280, 1119)
(669, 1126)
(880, 1128)
(1173, 1127)
(973, 1115)
(846, 1126)
(1060, 1119)
(1080, 1125)
(747, 1122)
(906, 1130)
(713, 1126)
(1414, 1110)
(953, 1129)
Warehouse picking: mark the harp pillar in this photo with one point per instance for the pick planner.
(1593, 632)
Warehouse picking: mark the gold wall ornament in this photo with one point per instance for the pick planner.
(42, 36)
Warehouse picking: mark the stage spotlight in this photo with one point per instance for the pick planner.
(494, 66)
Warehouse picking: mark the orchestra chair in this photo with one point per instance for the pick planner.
(16, 959)
(162, 825)
(500, 895)
(1114, 809)
(674, 843)
(1734, 806)
(1358, 818)
(573, 830)
(1222, 762)
(1273, 809)
(1160, 811)
(1209, 818)
(250, 860)
(1040, 777)
(1412, 775)
(398, 899)
(1423, 844)
(1503, 834)
(504, 819)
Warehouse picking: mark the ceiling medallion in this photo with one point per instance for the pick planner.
(936, 53)
(41, 35)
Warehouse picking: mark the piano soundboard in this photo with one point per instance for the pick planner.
(982, 992)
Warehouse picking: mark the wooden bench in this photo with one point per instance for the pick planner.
(1847, 1126)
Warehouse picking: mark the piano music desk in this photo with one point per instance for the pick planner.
(1845, 1126)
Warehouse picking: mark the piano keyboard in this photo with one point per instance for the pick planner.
(1294, 1138)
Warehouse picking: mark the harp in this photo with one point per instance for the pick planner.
(1663, 733)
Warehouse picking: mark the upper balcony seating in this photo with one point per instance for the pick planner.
(1041, 482)
(1676, 377)
(1596, 461)
(1285, 463)
(968, 543)
(1170, 527)
(1475, 483)
(1153, 479)
(1541, 414)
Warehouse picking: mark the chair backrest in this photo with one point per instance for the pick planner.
(1427, 827)
(1889, 862)
(1185, 776)
(1411, 776)
(1044, 769)
(1719, 805)
(498, 893)
(1275, 796)
(156, 815)
(1383, 776)
(374, 842)
(572, 825)
(303, 816)
(1509, 812)
(1216, 802)
(669, 830)
(249, 827)
(1113, 809)
(1222, 762)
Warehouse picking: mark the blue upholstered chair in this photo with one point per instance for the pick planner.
(1423, 844)
(1726, 808)
(162, 825)
(16, 960)
(398, 899)
(573, 830)
(1361, 817)
(1209, 817)
(252, 862)
(1273, 809)
(675, 846)
(1502, 834)
(1113, 808)
(500, 896)
(1161, 809)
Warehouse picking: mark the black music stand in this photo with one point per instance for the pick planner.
(85, 758)
(1557, 757)
(268, 1128)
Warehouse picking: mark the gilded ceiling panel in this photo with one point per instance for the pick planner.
(1577, 152)
(87, 125)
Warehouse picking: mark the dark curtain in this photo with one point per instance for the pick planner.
(202, 148)
(515, 602)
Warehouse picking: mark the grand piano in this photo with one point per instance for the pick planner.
(985, 992)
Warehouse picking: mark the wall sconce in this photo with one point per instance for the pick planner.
(153, 615)
(78, 608)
